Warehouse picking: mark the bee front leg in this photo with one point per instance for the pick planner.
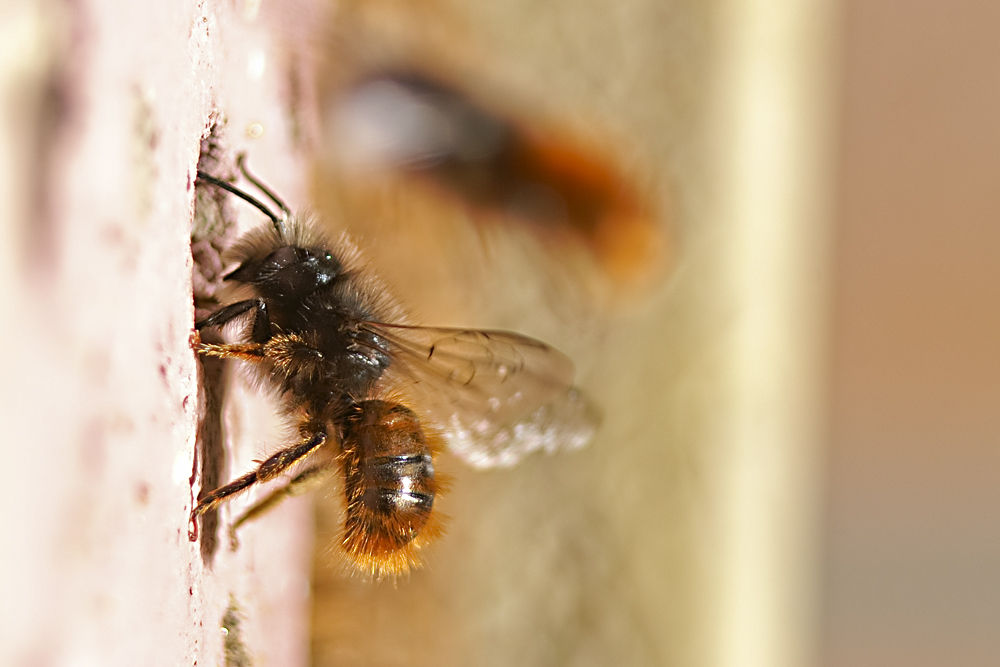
(261, 319)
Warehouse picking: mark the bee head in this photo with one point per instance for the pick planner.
(290, 271)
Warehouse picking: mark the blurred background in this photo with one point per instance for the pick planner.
(784, 298)
(829, 491)
(912, 523)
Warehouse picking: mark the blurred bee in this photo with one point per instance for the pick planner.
(564, 191)
(373, 396)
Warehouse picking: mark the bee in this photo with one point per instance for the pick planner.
(564, 190)
(370, 394)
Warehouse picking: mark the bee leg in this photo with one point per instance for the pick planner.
(268, 470)
(305, 481)
(261, 319)
(288, 352)
(253, 352)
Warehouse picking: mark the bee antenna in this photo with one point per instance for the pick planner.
(279, 223)
(241, 163)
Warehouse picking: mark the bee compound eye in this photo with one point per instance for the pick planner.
(283, 257)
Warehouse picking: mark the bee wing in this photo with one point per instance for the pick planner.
(497, 395)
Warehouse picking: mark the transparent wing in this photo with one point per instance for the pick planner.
(497, 395)
(566, 422)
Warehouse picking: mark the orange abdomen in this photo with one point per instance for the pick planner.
(390, 487)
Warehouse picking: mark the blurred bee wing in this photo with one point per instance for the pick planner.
(565, 423)
(497, 395)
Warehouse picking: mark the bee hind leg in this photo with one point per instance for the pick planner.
(305, 481)
(273, 467)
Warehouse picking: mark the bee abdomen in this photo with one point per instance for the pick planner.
(403, 481)
(390, 487)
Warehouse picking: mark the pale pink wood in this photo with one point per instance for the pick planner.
(105, 104)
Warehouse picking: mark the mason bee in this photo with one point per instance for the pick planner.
(371, 395)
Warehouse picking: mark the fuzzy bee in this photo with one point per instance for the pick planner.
(371, 395)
